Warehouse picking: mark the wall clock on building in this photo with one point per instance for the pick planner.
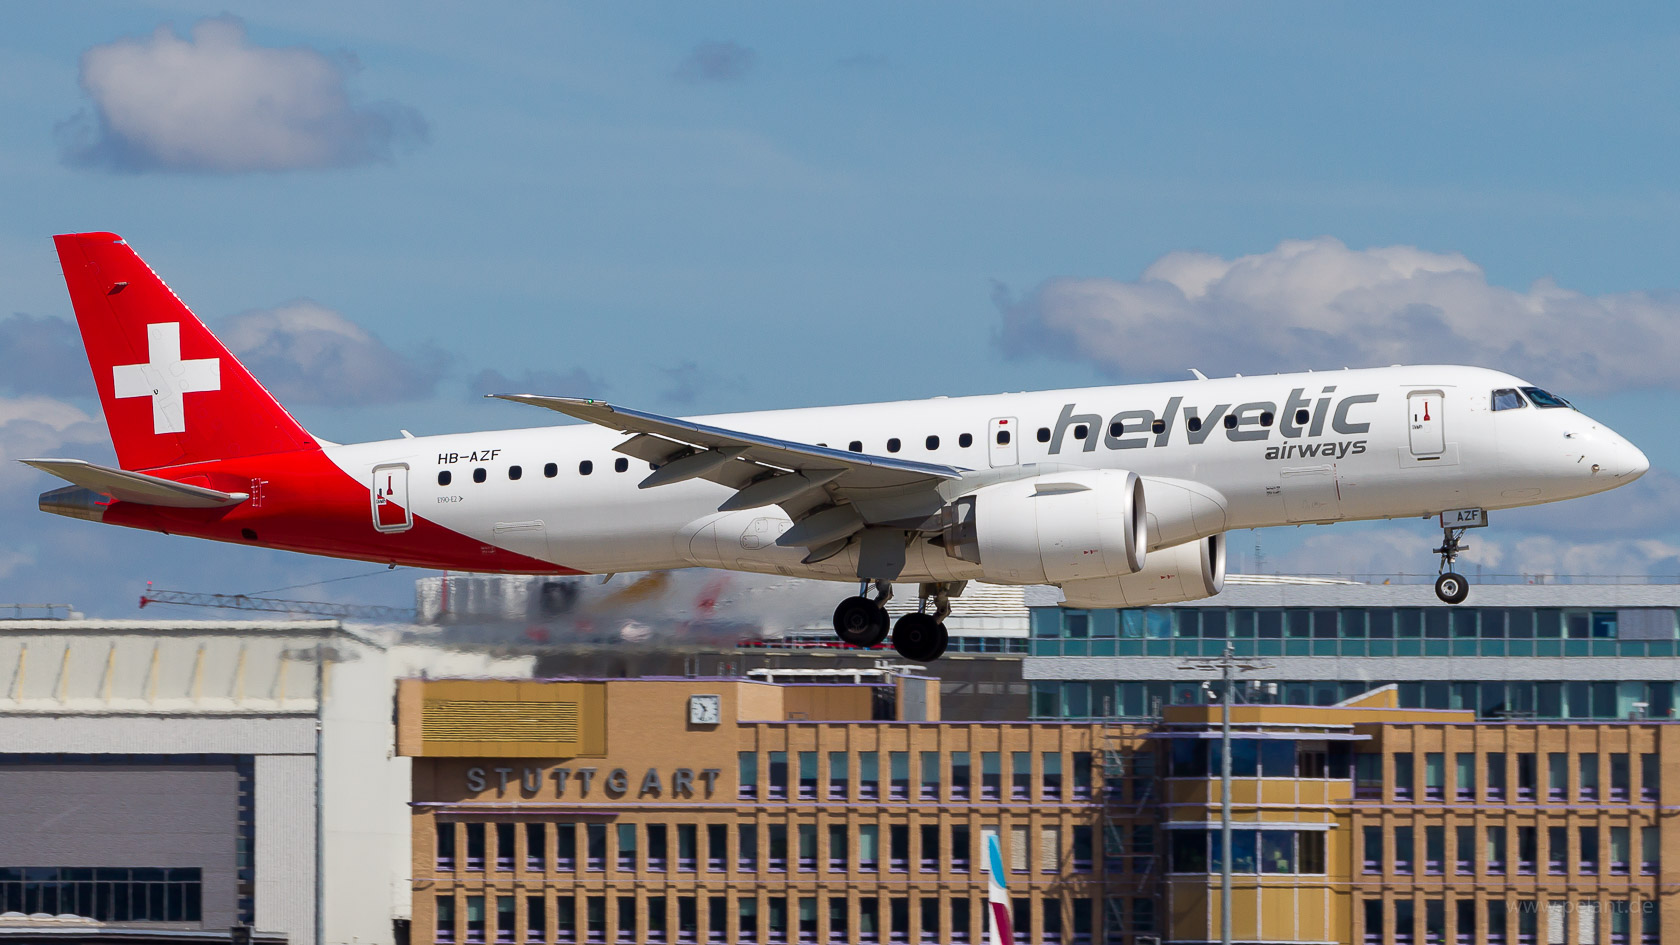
(705, 710)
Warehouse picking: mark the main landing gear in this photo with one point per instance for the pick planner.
(918, 636)
(1451, 587)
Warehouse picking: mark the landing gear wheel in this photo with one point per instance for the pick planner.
(1452, 588)
(919, 638)
(860, 622)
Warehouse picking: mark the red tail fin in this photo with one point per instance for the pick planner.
(172, 394)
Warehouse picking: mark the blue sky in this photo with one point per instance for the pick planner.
(709, 207)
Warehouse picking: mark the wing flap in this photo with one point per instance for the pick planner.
(139, 488)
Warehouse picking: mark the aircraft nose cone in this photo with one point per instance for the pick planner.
(1634, 461)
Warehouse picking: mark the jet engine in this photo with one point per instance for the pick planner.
(1190, 571)
(1051, 528)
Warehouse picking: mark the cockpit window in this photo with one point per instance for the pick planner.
(1545, 399)
(1508, 399)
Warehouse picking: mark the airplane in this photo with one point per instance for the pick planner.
(1120, 496)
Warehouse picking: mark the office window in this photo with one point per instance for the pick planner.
(1434, 849)
(1464, 854)
(1496, 850)
(869, 775)
(1464, 771)
(1526, 776)
(1372, 842)
(778, 776)
(505, 921)
(1019, 849)
(688, 920)
(475, 920)
(1082, 773)
(746, 919)
(1051, 921)
(1528, 921)
(961, 928)
(688, 847)
(1557, 850)
(536, 846)
(991, 775)
(445, 859)
(1621, 852)
(1588, 772)
(1373, 911)
(475, 846)
(837, 848)
(930, 776)
(1052, 775)
(1496, 776)
(1557, 775)
(504, 847)
(1405, 921)
(1403, 775)
(959, 775)
(1403, 849)
(1589, 850)
(1650, 850)
(1465, 920)
(778, 848)
(717, 918)
(445, 930)
(899, 764)
(1143, 915)
(929, 920)
(961, 848)
(717, 842)
(1528, 849)
(657, 849)
(595, 847)
(837, 775)
(898, 847)
(747, 762)
(595, 919)
(1434, 921)
(930, 848)
(1650, 777)
(807, 839)
(1050, 849)
(808, 775)
(746, 849)
(1621, 917)
(869, 920)
(655, 920)
(1621, 776)
(869, 848)
(565, 919)
(1434, 776)
(1020, 781)
(1367, 776)
(1650, 923)
(626, 908)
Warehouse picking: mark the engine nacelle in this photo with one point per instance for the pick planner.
(1051, 528)
(1191, 571)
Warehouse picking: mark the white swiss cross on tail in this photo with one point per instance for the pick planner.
(167, 378)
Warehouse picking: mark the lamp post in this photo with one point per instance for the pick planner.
(320, 654)
(1227, 664)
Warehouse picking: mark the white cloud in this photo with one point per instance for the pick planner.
(307, 353)
(216, 103)
(38, 427)
(1318, 304)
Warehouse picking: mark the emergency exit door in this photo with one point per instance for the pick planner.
(1428, 434)
(1001, 446)
(390, 498)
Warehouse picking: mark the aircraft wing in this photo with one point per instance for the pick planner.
(830, 494)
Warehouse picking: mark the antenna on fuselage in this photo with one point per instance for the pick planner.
(1199, 375)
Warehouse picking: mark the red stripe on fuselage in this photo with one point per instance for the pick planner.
(302, 501)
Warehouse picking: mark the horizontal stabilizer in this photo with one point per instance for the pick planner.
(136, 487)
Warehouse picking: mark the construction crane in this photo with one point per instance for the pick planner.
(278, 605)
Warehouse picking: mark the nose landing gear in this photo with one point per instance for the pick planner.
(1451, 587)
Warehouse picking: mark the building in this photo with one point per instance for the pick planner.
(688, 810)
(1512, 652)
(684, 810)
(169, 779)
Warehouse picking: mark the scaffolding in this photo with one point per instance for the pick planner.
(1132, 840)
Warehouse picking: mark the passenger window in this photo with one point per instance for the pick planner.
(1003, 438)
(1543, 398)
(1266, 418)
(1043, 434)
(1081, 431)
(855, 446)
(966, 440)
(1301, 417)
(444, 476)
(514, 472)
(1116, 428)
(1194, 423)
(585, 468)
(1159, 426)
(932, 443)
(551, 470)
(1230, 421)
(892, 445)
(1508, 399)
(478, 474)
(621, 465)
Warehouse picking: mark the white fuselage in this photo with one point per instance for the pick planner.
(1318, 447)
